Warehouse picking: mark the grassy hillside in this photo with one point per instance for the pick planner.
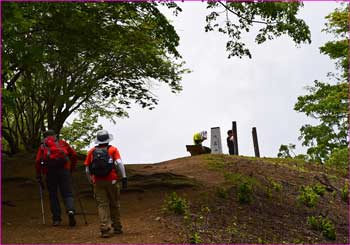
(265, 201)
(201, 199)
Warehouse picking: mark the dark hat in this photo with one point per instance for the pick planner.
(49, 132)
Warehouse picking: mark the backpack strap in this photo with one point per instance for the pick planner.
(107, 148)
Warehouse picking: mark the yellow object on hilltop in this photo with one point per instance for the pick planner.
(198, 138)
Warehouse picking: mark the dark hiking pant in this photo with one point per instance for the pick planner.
(60, 179)
(107, 196)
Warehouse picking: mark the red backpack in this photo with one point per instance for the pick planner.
(54, 155)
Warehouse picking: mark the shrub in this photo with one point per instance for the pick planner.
(308, 196)
(324, 225)
(175, 204)
(314, 223)
(276, 186)
(344, 192)
(195, 239)
(245, 193)
(319, 189)
(328, 230)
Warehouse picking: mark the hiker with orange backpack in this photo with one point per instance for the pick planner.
(56, 160)
(101, 165)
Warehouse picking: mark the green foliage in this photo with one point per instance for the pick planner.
(308, 196)
(338, 158)
(285, 151)
(245, 193)
(261, 241)
(324, 225)
(276, 186)
(338, 49)
(298, 241)
(81, 132)
(314, 222)
(328, 230)
(195, 239)
(65, 56)
(302, 157)
(319, 189)
(274, 18)
(344, 192)
(175, 204)
(329, 102)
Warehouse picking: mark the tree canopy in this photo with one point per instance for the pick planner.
(328, 102)
(98, 58)
(61, 57)
(273, 18)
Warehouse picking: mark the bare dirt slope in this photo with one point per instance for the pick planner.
(272, 216)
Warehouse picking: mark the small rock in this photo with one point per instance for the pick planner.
(157, 219)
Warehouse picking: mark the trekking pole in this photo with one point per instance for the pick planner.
(42, 202)
(80, 203)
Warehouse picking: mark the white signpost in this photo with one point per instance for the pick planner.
(215, 142)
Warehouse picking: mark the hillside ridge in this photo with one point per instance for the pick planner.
(272, 213)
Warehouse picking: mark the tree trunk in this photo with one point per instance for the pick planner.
(11, 140)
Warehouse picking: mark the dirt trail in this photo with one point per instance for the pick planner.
(141, 208)
(22, 224)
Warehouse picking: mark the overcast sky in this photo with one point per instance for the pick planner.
(258, 92)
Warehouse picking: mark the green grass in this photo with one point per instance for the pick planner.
(245, 193)
(276, 186)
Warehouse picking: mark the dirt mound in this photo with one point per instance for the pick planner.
(228, 199)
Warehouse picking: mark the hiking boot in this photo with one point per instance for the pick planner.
(56, 223)
(71, 218)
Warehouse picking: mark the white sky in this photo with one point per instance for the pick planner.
(258, 92)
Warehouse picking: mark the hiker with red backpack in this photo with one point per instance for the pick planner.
(56, 160)
(101, 165)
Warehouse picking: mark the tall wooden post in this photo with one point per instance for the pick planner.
(234, 130)
(255, 141)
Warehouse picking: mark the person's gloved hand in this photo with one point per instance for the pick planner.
(39, 179)
(124, 183)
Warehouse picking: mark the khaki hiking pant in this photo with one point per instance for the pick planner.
(107, 196)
